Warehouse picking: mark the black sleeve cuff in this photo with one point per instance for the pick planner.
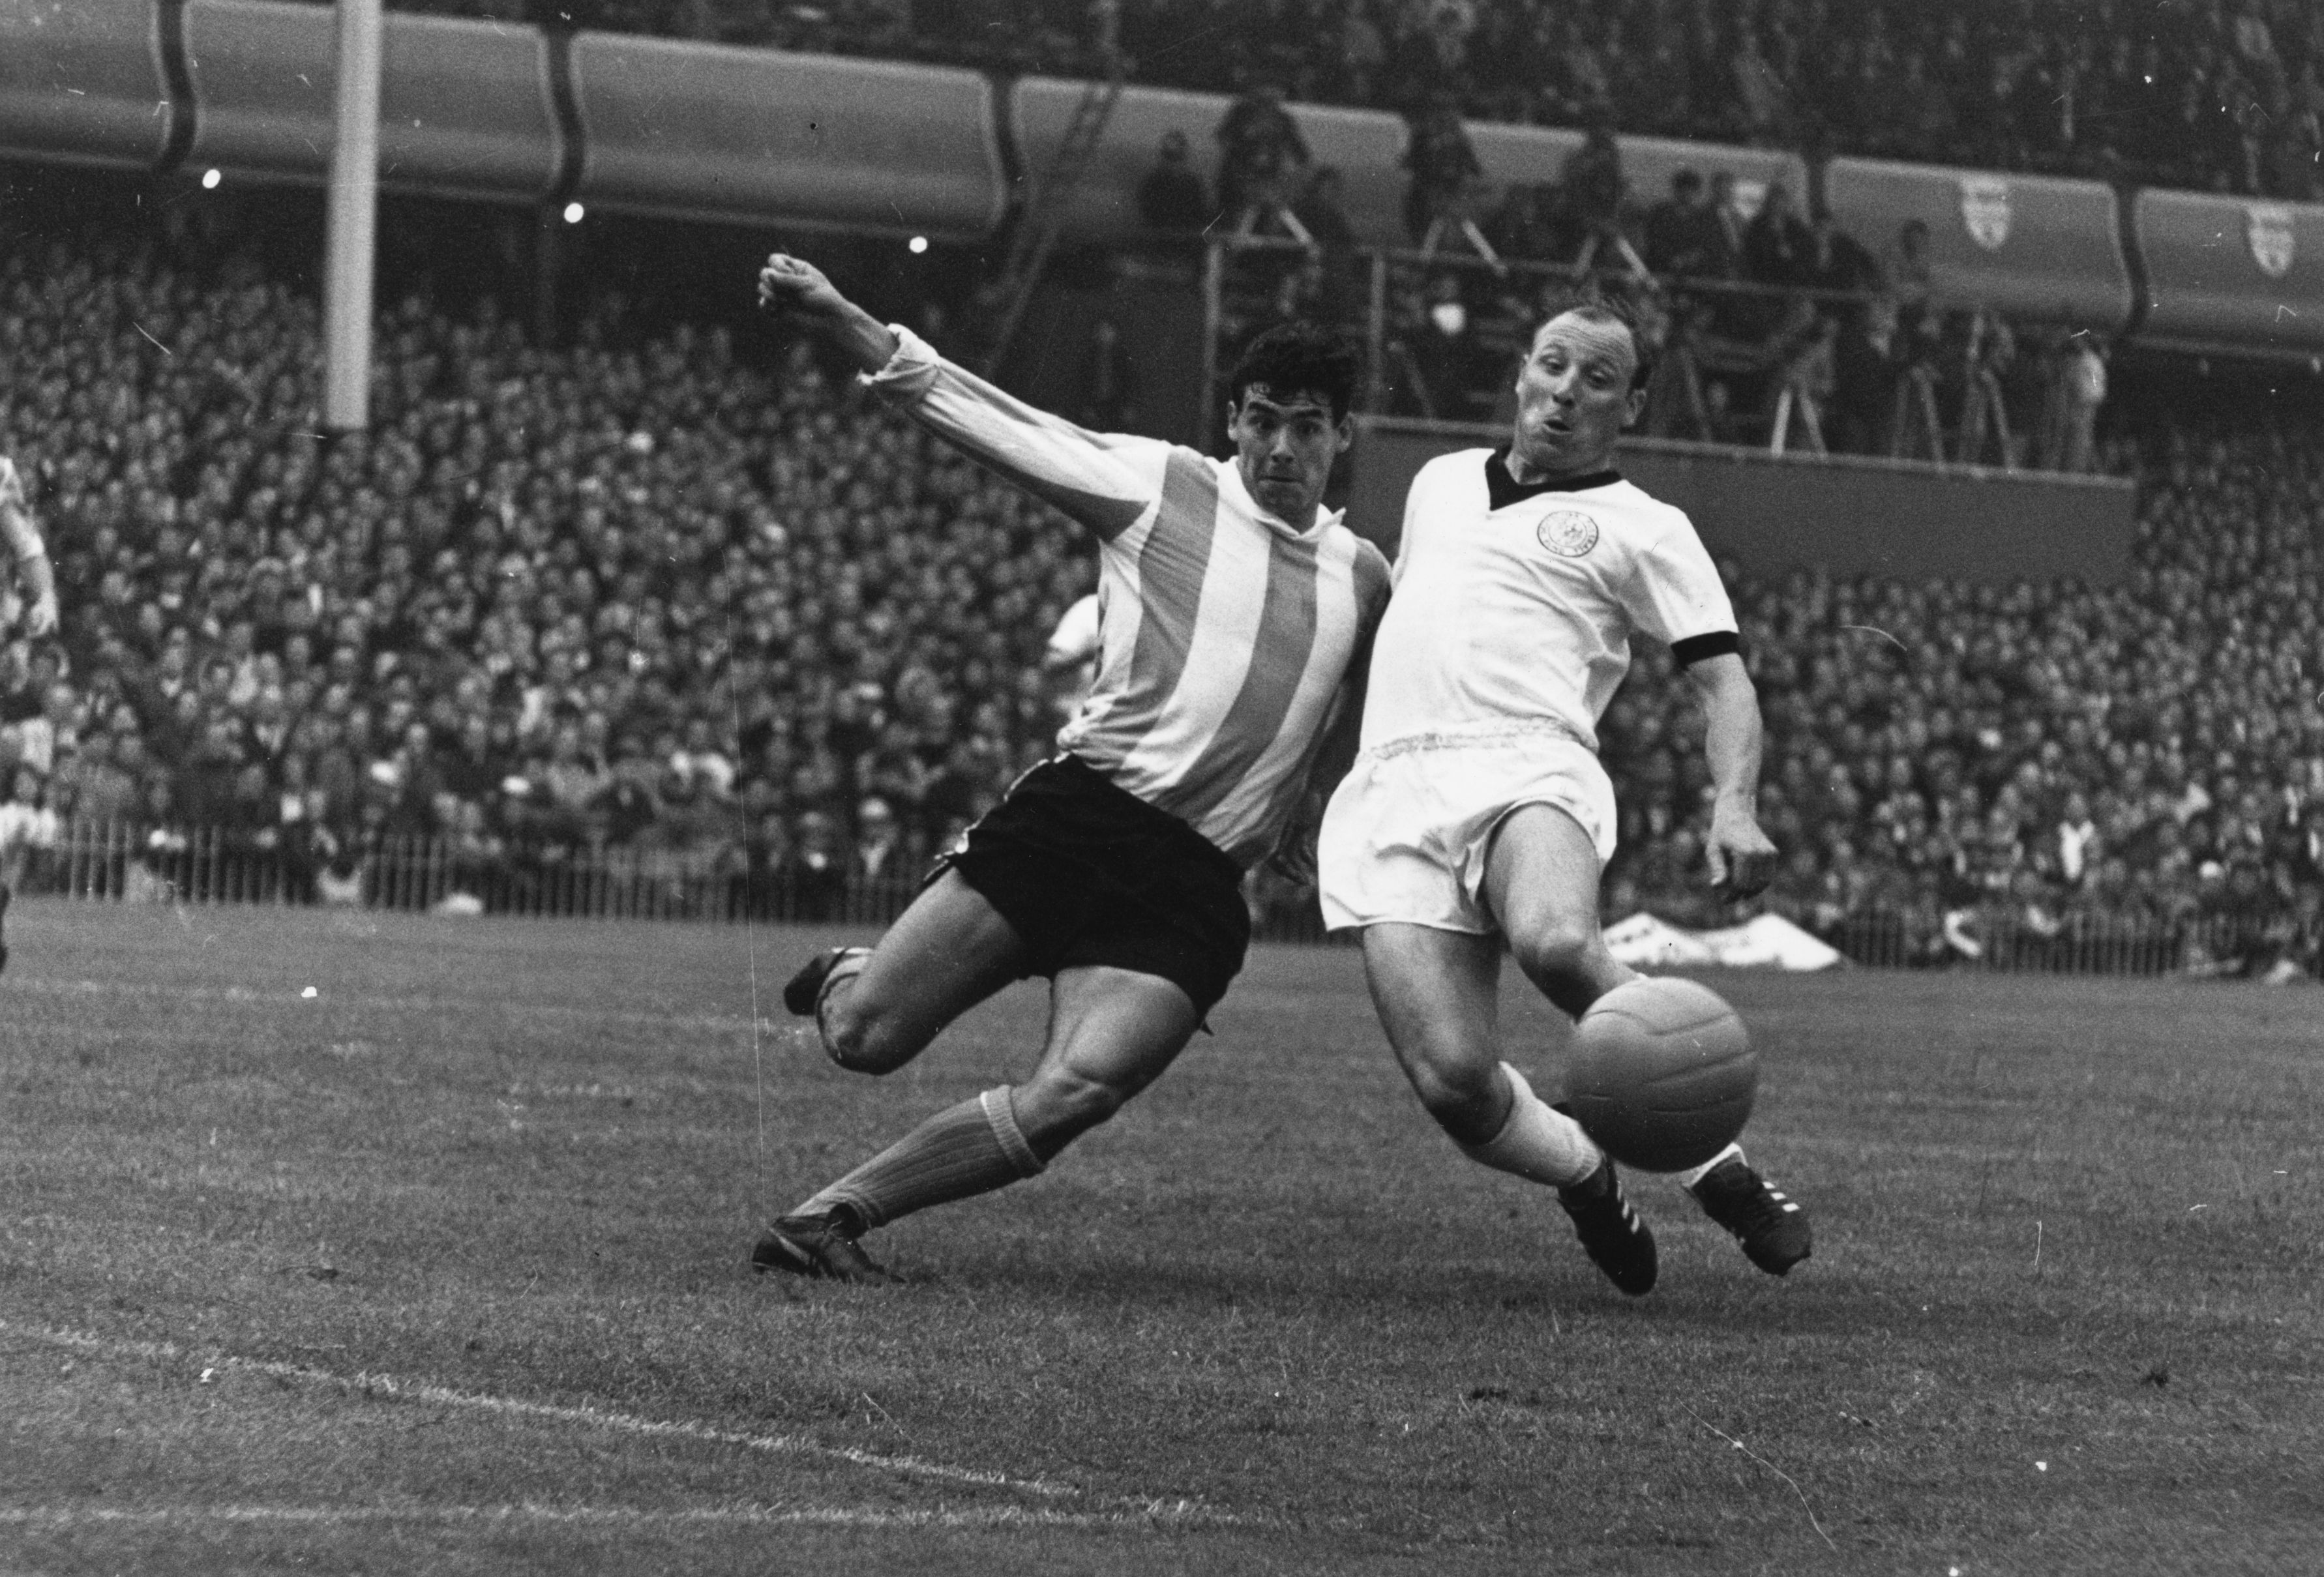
(1695, 648)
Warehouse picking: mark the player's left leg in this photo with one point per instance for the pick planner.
(1541, 882)
(878, 1008)
(1112, 1032)
(1437, 994)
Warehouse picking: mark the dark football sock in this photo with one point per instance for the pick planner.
(973, 1148)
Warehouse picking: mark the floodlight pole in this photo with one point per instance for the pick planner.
(351, 223)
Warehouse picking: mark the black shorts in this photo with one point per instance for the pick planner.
(1088, 873)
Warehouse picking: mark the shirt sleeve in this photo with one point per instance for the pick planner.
(1107, 482)
(1675, 594)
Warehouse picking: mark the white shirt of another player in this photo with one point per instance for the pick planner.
(1071, 660)
(26, 549)
(1517, 618)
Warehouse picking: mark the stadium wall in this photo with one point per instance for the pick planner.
(499, 111)
(1905, 519)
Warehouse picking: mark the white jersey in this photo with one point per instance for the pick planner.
(1075, 638)
(1513, 605)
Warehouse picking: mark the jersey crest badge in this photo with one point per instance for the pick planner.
(1984, 210)
(1567, 532)
(2272, 241)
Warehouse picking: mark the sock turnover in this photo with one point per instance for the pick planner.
(1536, 1143)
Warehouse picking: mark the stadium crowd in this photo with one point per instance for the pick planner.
(630, 594)
(2212, 95)
(668, 594)
(2044, 753)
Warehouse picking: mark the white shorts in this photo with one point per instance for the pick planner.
(1405, 836)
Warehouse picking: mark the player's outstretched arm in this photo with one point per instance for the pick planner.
(795, 287)
(30, 553)
(1742, 857)
(1104, 482)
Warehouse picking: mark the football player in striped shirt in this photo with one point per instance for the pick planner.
(1232, 608)
(1477, 813)
(38, 616)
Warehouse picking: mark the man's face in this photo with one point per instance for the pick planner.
(1574, 396)
(1284, 444)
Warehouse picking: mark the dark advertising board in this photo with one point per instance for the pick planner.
(464, 106)
(2030, 246)
(81, 81)
(760, 136)
(2238, 272)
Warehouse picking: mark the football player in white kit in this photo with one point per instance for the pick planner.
(1477, 813)
(39, 609)
(29, 553)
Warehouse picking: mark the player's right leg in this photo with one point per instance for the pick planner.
(1541, 882)
(1112, 1032)
(877, 1009)
(1437, 994)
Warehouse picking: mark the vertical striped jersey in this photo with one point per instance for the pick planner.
(1223, 634)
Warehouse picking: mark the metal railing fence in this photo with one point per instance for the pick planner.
(124, 863)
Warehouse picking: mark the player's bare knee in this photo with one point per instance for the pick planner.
(1458, 1093)
(1563, 961)
(862, 1039)
(1056, 1106)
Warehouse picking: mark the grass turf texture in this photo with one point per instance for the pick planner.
(442, 1270)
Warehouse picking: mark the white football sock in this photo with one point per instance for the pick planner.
(1535, 1143)
(1689, 1178)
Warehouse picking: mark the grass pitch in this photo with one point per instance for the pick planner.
(441, 1269)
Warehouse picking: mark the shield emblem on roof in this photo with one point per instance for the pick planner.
(1985, 209)
(2270, 229)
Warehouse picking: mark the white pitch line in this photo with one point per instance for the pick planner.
(369, 1383)
(464, 1005)
(568, 1515)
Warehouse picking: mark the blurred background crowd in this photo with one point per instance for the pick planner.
(627, 594)
(671, 591)
(2209, 95)
(632, 580)
(2046, 753)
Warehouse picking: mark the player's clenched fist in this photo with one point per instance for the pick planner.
(1741, 858)
(791, 284)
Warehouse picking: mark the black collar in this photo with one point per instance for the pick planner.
(1503, 490)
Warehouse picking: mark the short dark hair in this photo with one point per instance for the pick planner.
(1605, 309)
(1301, 358)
